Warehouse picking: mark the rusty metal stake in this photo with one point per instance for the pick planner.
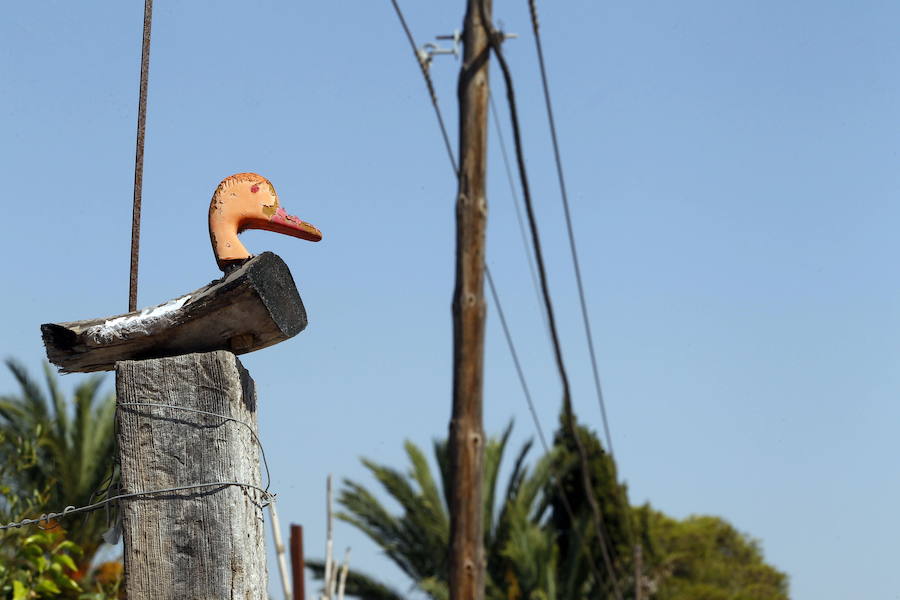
(297, 562)
(139, 158)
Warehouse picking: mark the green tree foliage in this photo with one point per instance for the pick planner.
(572, 519)
(416, 541)
(44, 565)
(72, 447)
(40, 566)
(537, 548)
(705, 558)
(36, 563)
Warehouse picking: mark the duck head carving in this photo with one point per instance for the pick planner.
(248, 201)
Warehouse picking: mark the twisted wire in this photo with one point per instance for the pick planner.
(267, 496)
(494, 38)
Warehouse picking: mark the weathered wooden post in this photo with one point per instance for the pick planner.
(187, 410)
(200, 542)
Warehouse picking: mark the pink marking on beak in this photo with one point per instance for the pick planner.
(295, 226)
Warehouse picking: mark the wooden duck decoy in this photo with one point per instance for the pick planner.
(248, 201)
(255, 305)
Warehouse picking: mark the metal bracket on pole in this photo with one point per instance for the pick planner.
(428, 51)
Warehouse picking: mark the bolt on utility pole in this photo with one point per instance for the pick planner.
(466, 439)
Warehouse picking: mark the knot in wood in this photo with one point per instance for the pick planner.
(482, 206)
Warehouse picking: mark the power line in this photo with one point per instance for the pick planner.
(535, 24)
(494, 293)
(571, 233)
(493, 40)
(567, 506)
(515, 357)
(516, 201)
(423, 65)
(565, 500)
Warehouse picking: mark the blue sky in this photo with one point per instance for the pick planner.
(731, 168)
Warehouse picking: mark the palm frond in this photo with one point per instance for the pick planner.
(366, 512)
(421, 473)
(436, 588)
(32, 397)
(419, 533)
(442, 458)
(74, 444)
(359, 585)
(493, 456)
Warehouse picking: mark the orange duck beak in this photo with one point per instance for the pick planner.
(248, 201)
(281, 222)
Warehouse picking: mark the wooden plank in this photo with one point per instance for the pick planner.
(203, 544)
(254, 306)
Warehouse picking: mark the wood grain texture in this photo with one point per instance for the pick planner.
(202, 544)
(255, 306)
(466, 439)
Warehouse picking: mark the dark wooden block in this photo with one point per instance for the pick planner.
(255, 306)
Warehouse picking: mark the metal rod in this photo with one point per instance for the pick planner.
(139, 158)
(297, 562)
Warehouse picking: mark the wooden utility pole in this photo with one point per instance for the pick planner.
(466, 440)
(203, 543)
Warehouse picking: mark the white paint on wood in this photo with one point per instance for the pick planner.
(142, 323)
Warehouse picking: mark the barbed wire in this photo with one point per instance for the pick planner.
(267, 496)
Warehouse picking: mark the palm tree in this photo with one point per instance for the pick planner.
(519, 547)
(540, 546)
(74, 448)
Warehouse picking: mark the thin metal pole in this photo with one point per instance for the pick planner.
(297, 562)
(139, 158)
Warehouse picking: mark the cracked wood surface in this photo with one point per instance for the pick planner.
(254, 306)
(201, 544)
